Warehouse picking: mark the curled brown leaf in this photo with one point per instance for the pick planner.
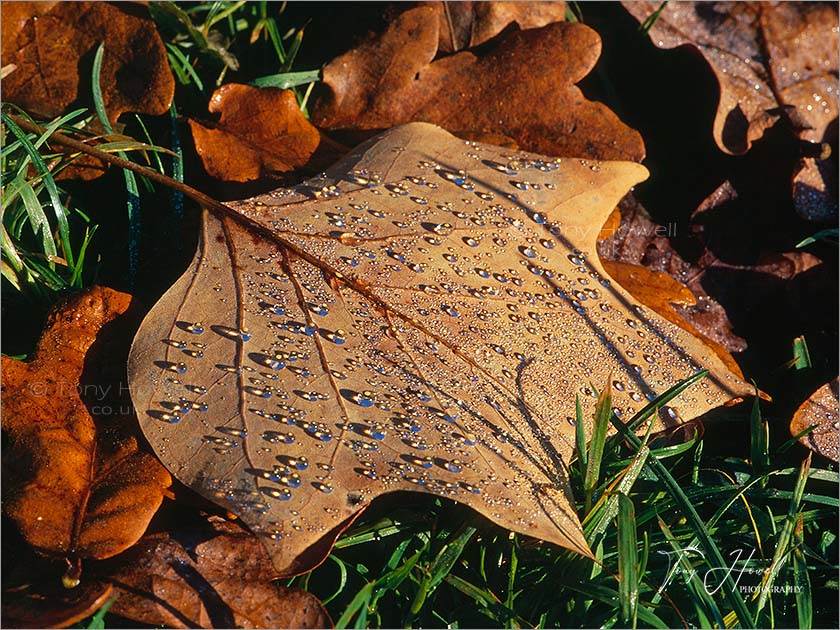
(215, 575)
(74, 489)
(261, 132)
(771, 60)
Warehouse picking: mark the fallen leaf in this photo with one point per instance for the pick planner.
(48, 42)
(468, 24)
(216, 575)
(821, 410)
(522, 88)
(75, 488)
(421, 319)
(261, 132)
(638, 240)
(770, 60)
(661, 292)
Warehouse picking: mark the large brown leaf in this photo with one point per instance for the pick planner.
(261, 132)
(770, 59)
(420, 319)
(47, 42)
(74, 489)
(523, 88)
(468, 24)
(215, 575)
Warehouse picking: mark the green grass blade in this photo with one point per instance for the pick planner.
(759, 437)
(580, 438)
(628, 575)
(656, 404)
(132, 191)
(782, 550)
(652, 18)
(802, 582)
(441, 566)
(603, 411)
(605, 510)
(176, 197)
(287, 80)
(37, 218)
(97, 622)
(358, 603)
(830, 234)
(49, 184)
(801, 355)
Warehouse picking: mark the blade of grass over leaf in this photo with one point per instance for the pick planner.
(603, 411)
(287, 80)
(656, 404)
(645, 26)
(580, 438)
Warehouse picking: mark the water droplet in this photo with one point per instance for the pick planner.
(262, 392)
(178, 368)
(196, 328)
(449, 310)
(323, 487)
(454, 466)
(283, 494)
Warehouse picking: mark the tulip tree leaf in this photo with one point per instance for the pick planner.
(419, 318)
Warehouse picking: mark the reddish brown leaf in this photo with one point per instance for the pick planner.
(48, 43)
(74, 491)
(770, 60)
(522, 88)
(213, 576)
(821, 410)
(638, 240)
(661, 292)
(467, 24)
(261, 132)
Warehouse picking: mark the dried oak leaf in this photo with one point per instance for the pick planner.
(468, 24)
(770, 60)
(73, 491)
(522, 88)
(421, 318)
(261, 132)
(821, 410)
(216, 575)
(48, 43)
